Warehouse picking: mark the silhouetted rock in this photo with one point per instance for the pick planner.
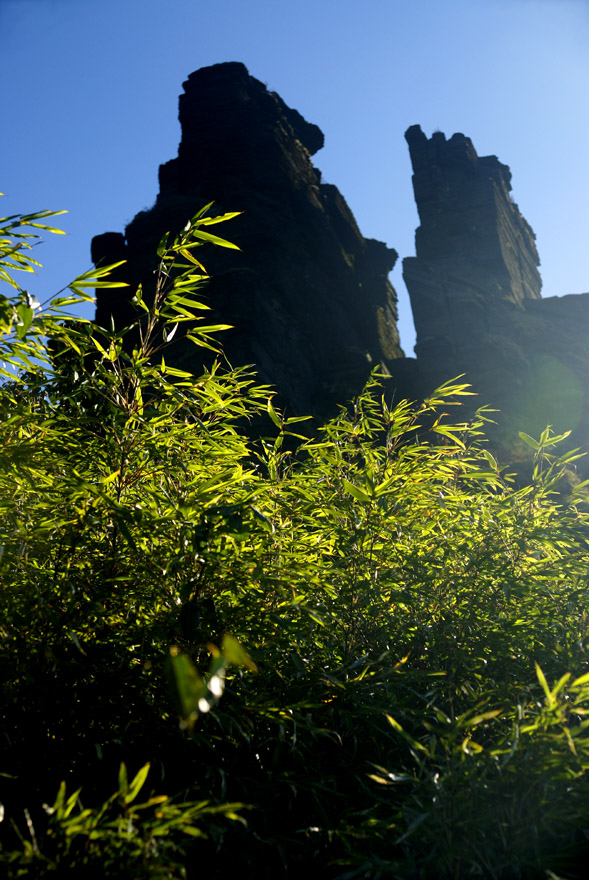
(308, 295)
(475, 295)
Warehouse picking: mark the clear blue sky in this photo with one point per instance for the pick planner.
(89, 107)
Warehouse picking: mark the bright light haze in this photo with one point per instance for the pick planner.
(90, 109)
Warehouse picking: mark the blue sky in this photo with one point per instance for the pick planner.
(89, 110)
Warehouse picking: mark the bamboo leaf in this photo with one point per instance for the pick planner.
(137, 784)
(356, 492)
(529, 441)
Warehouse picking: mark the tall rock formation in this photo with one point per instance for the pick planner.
(308, 295)
(476, 255)
(475, 295)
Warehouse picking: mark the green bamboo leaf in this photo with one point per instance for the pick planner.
(137, 784)
(59, 800)
(175, 299)
(52, 229)
(397, 727)
(235, 654)
(71, 803)
(191, 689)
(316, 617)
(490, 458)
(544, 683)
(186, 253)
(450, 433)
(484, 716)
(110, 478)
(123, 781)
(385, 484)
(356, 492)
(209, 221)
(80, 285)
(267, 523)
(273, 415)
(63, 302)
(214, 239)
(193, 831)
(560, 684)
(528, 440)
(200, 214)
(583, 679)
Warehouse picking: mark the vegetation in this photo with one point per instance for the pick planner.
(222, 657)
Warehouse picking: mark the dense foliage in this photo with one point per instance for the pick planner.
(223, 657)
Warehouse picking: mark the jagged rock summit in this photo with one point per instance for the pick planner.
(308, 295)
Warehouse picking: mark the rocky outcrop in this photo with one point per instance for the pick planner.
(475, 294)
(307, 294)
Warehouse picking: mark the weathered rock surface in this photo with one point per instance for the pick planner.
(308, 295)
(475, 294)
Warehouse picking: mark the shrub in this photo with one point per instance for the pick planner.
(416, 621)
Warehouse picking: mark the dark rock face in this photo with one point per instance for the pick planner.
(475, 251)
(475, 295)
(308, 296)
